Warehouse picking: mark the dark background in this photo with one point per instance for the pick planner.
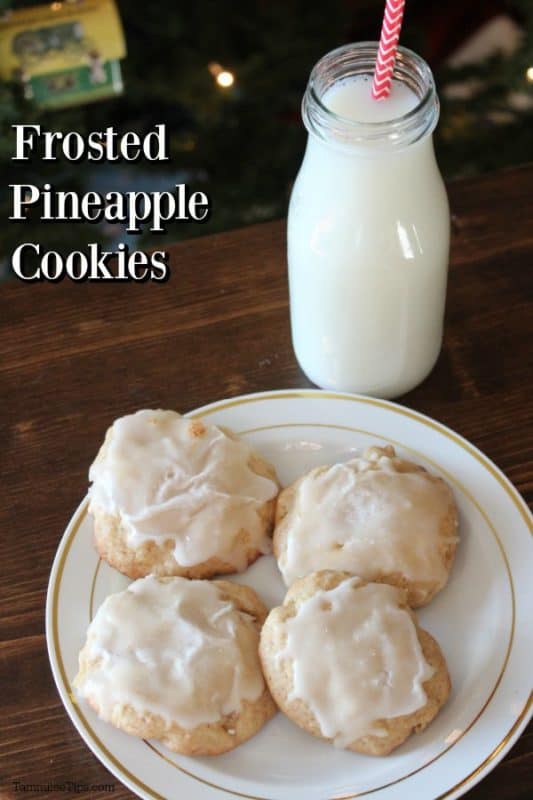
(243, 144)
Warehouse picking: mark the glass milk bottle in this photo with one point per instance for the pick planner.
(368, 228)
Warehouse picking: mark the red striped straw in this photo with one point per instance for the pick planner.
(388, 45)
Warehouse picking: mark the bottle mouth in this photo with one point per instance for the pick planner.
(358, 60)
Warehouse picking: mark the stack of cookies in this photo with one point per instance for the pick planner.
(200, 664)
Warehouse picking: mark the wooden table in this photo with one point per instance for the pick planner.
(73, 357)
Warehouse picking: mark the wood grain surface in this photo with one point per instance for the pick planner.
(73, 357)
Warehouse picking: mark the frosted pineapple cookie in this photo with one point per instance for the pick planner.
(378, 517)
(177, 660)
(174, 496)
(346, 661)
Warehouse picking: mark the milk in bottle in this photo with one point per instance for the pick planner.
(368, 228)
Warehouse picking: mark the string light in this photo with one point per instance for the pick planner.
(529, 74)
(223, 77)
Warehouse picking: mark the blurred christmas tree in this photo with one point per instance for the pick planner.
(227, 79)
(487, 105)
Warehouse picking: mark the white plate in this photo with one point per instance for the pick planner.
(482, 621)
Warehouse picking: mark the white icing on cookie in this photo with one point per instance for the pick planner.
(355, 659)
(172, 647)
(367, 517)
(169, 477)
